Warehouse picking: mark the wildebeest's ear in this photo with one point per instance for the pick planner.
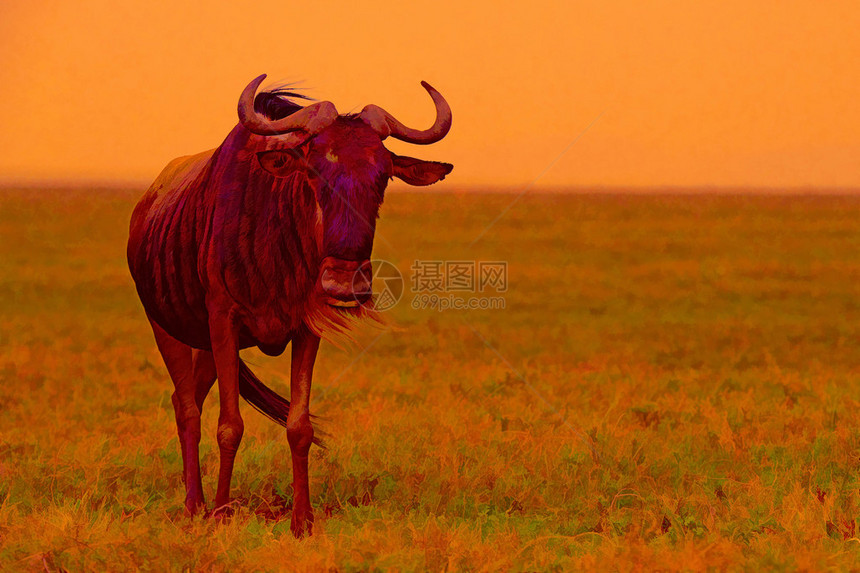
(418, 172)
(281, 162)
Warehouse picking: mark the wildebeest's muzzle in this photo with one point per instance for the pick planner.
(346, 283)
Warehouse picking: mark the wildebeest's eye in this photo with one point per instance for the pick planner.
(281, 162)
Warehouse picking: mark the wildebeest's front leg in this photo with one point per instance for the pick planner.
(300, 433)
(223, 329)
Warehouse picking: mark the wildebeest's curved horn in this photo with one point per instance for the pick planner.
(386, 124)
(312, 119)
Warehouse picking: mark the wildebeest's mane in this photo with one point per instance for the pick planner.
(276, 103)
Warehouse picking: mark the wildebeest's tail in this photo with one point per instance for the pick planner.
(267, 401)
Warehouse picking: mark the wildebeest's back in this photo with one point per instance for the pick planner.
(167, 228)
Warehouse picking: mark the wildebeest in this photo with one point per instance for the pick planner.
(264, 241)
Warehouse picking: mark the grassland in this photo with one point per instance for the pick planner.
(672, 385)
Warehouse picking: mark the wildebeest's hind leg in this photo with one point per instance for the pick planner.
(193, 373)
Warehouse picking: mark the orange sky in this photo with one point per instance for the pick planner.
(724, 93)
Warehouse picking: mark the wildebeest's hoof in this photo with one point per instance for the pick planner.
(194, 507)
(302, 523)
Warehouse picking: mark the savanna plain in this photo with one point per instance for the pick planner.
(672, 384)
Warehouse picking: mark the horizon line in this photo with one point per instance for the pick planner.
(60, 184)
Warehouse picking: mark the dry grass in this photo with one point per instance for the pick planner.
(673, 385)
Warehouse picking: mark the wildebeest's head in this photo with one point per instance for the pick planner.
(348, 167)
